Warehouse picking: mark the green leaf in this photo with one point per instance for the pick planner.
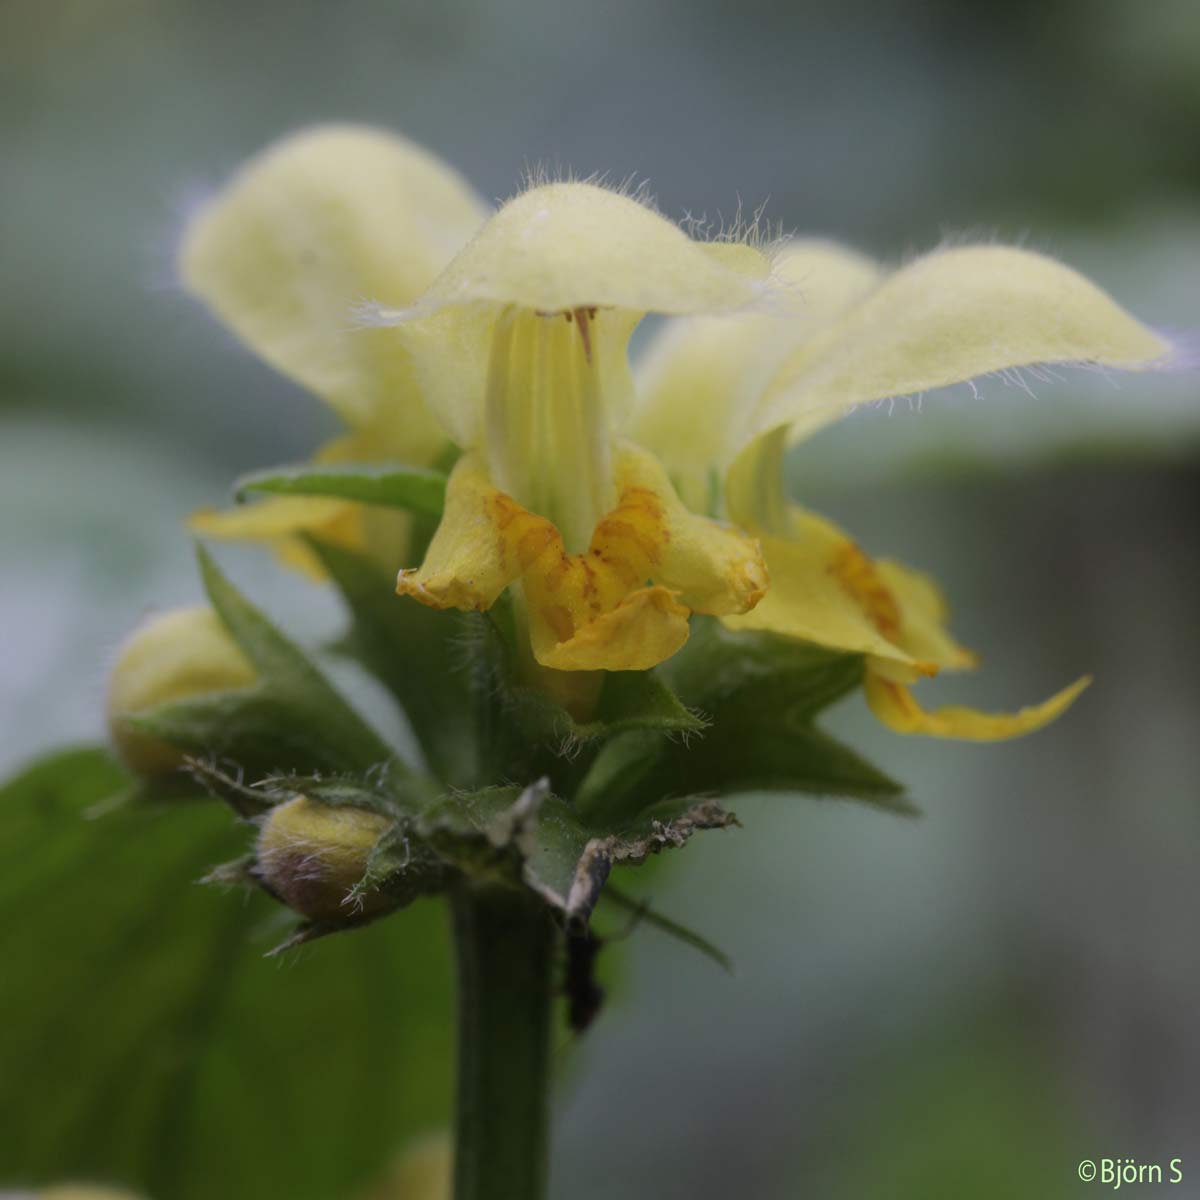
(416, 489)
(416, 652)
(718, 664)
(756, 751)
(761, 694)
(295, 705)
(145, 1041)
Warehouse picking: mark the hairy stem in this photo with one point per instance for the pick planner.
(505, 944)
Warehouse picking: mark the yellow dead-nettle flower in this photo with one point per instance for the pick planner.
(858, 334)
(518, 350)
(575, 489)
(303, 233)
(520, 346)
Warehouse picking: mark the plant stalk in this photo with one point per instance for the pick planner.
(505, 943)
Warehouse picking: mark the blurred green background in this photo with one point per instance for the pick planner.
(966, 1005)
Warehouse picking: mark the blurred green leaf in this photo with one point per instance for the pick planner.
(416, 489)
(143, 1038)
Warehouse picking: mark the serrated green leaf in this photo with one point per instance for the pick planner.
(758, 750)
(293, 694)
(770, 755)
(761, 693)
(416, 652)
(415, 489)
(717, 664)
(144, 1039)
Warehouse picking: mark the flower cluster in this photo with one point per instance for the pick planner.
(613, 502)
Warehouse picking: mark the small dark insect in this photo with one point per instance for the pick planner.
(585, 997)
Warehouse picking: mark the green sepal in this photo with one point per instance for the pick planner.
(403, 867)
(415, 489)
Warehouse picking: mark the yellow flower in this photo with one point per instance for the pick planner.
(725, 398)
(516, 353)
(505, 338)
(521, 349)
(311, 227)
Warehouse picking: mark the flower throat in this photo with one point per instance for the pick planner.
(545, 418)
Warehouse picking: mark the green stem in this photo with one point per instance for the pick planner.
(505, 944)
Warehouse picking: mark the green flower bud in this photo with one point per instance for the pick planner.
(311, 855)
(174, 656)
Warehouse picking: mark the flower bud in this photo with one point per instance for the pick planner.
(311, 855)
(174, 656)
